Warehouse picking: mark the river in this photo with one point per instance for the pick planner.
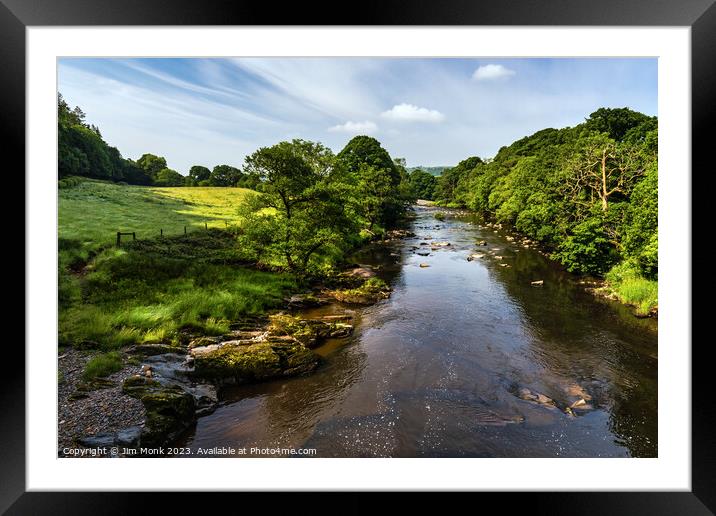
(441, 367)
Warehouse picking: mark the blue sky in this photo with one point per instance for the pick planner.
(429, 111)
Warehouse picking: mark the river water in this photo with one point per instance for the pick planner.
(437, 370)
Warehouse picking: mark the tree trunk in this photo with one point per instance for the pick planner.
(604, 194)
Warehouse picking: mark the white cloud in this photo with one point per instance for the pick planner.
(354, 127)
(411, 113)
(491, 72)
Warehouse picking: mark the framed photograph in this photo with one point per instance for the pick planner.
(428, 248)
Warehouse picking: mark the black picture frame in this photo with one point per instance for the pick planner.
(700, 15)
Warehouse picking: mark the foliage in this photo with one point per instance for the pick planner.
(302, 210)
(168, 177)
(588, 193)
(198, 173)
(423, 184)
(224, 175)
(366, 161)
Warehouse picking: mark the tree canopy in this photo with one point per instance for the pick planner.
(589, 192)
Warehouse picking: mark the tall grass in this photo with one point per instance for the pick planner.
(633, 289)
(148, 292)
(102, 365)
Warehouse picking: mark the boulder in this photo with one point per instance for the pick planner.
(537, 283)
(424, 265)
(368, 293)
(169, 409)
(475, 256)
(262, 361)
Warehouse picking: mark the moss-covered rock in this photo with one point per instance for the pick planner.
(370, 292)
(309, 332)
(256, 362)
(170, 410)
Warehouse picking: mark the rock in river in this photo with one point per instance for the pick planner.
(170, 410)
(256, 362)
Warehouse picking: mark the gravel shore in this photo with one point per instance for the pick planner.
(103, 410)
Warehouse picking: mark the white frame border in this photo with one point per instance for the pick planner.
(671, 471)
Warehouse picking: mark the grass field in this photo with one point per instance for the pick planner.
(152, 289)
(93, 211)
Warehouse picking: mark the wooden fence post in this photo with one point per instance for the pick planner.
(161, 232)
(119, 238)
(134, 235)
(206, 225)
(185, 230)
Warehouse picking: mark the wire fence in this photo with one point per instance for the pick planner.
(187, 230)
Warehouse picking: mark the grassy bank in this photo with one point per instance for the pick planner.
(150, 290)
(92, 212)
(624, 282)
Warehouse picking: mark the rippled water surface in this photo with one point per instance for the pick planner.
(437, 369)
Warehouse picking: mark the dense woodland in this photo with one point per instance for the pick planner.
(589, 193)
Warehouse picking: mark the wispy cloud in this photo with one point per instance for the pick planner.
(412, 113)
(217, 110)
(492, 72)
(351, 127)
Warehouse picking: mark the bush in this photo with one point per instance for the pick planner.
(587, 249)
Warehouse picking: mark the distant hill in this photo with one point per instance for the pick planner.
(436, 171)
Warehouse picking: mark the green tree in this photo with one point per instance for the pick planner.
(615, 122)
(169, 177)
(199, 173)
(224, 175)
(365, 155)
(423, 184)
(302, 210)
(152, 164)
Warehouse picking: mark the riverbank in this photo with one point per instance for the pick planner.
(162, 377)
